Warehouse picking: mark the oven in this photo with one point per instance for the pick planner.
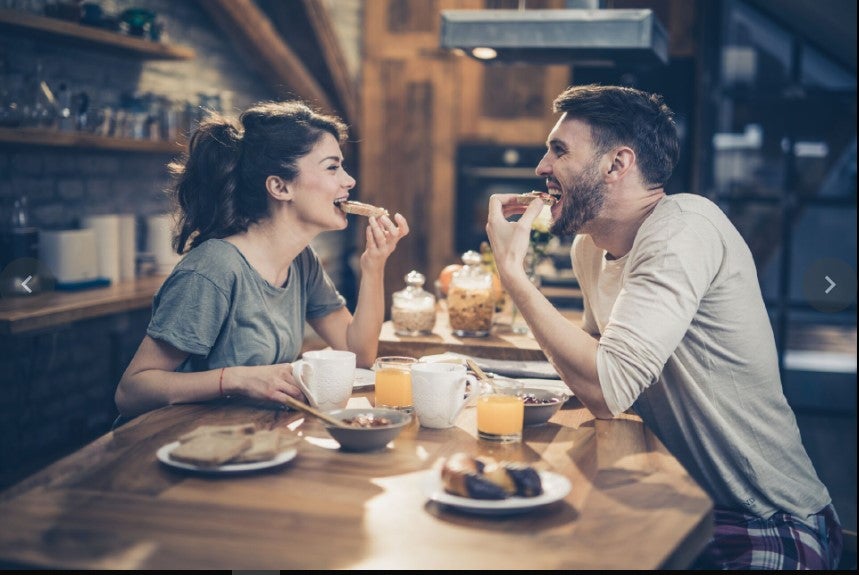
(486, 169)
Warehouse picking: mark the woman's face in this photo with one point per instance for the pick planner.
(320, 182)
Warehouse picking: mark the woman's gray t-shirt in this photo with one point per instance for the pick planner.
(218, 309)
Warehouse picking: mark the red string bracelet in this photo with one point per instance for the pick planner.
(221, 382)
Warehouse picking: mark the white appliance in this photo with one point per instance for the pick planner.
(159, 242)
(70, 255)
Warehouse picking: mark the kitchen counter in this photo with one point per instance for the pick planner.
(23, 314)
(501, 343)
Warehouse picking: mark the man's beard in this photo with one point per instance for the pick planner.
(581, 203)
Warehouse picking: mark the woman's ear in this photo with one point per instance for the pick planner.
(278, 188)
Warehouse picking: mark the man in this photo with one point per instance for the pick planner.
(674, 326)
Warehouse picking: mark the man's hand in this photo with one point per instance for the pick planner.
(510, 240)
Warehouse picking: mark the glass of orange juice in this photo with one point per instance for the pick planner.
(501, 412)
(394, 382)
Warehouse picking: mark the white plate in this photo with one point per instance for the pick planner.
(364, 378)
(555, 487)
(163, 456)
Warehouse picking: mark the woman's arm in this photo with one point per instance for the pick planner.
(361, 333)
(150, 381)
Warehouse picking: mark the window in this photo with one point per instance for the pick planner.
(778, 153)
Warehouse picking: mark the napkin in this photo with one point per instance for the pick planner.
(358, 403)
(554, 385)
(509, 368)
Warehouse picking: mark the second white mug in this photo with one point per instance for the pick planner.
(438, 393)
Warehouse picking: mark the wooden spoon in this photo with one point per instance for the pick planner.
(301, 406)
(476, 369)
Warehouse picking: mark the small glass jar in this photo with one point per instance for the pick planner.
(413, 309)
(470, 301)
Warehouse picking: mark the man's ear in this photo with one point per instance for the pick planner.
(622, 160)
(278, 188)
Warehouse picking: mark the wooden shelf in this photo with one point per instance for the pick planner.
(57, 139)
(21, 314)
(78, 34)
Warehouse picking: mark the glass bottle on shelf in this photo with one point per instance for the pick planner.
(40, 109)
(19, 249)
(413, 308)
(470, 300)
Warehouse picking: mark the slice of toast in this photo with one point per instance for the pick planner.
(529, 197)
(264, 446)
(227, 430)
(286, 439)
(211, 450)
(362, 209)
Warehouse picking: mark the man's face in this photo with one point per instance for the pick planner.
(571, 169)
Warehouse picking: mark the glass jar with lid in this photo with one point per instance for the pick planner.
(413, 308)
(470, 300)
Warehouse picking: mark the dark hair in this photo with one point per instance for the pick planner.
(220, 182)
(625, 116)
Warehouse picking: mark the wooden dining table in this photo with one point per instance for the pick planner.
(113, 505)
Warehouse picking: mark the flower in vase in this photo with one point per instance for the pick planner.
(540, 235)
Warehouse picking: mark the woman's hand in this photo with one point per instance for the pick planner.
(382, 237)
(268, 382)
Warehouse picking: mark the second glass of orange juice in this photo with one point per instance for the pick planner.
(501, 412)
(394, 382)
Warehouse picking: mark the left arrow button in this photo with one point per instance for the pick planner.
(25, 277)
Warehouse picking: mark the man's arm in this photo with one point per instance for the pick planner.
(569, 348)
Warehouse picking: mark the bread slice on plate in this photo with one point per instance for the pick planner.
(266, 445)
(228, 430)
(211, 450)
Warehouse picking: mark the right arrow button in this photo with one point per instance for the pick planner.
(829, 285)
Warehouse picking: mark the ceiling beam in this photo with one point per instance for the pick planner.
(256, 38)
(320, 20)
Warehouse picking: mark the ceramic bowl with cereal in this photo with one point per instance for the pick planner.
(540, 404)
(368, 428)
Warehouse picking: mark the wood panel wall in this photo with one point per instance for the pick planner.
(418, 103)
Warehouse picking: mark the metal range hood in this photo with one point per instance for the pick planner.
(596, 37)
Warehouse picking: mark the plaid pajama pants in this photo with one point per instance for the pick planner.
(744, 541)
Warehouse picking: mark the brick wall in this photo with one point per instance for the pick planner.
(56, 387)
(63, 185)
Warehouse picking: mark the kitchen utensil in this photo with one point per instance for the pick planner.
(333, 421)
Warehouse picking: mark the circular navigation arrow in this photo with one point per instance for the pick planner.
(25, 277)
(829, 285)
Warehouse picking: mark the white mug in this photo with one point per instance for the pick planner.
(326, 377)
(438, 393)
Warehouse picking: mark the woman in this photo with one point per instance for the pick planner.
(230, 317)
